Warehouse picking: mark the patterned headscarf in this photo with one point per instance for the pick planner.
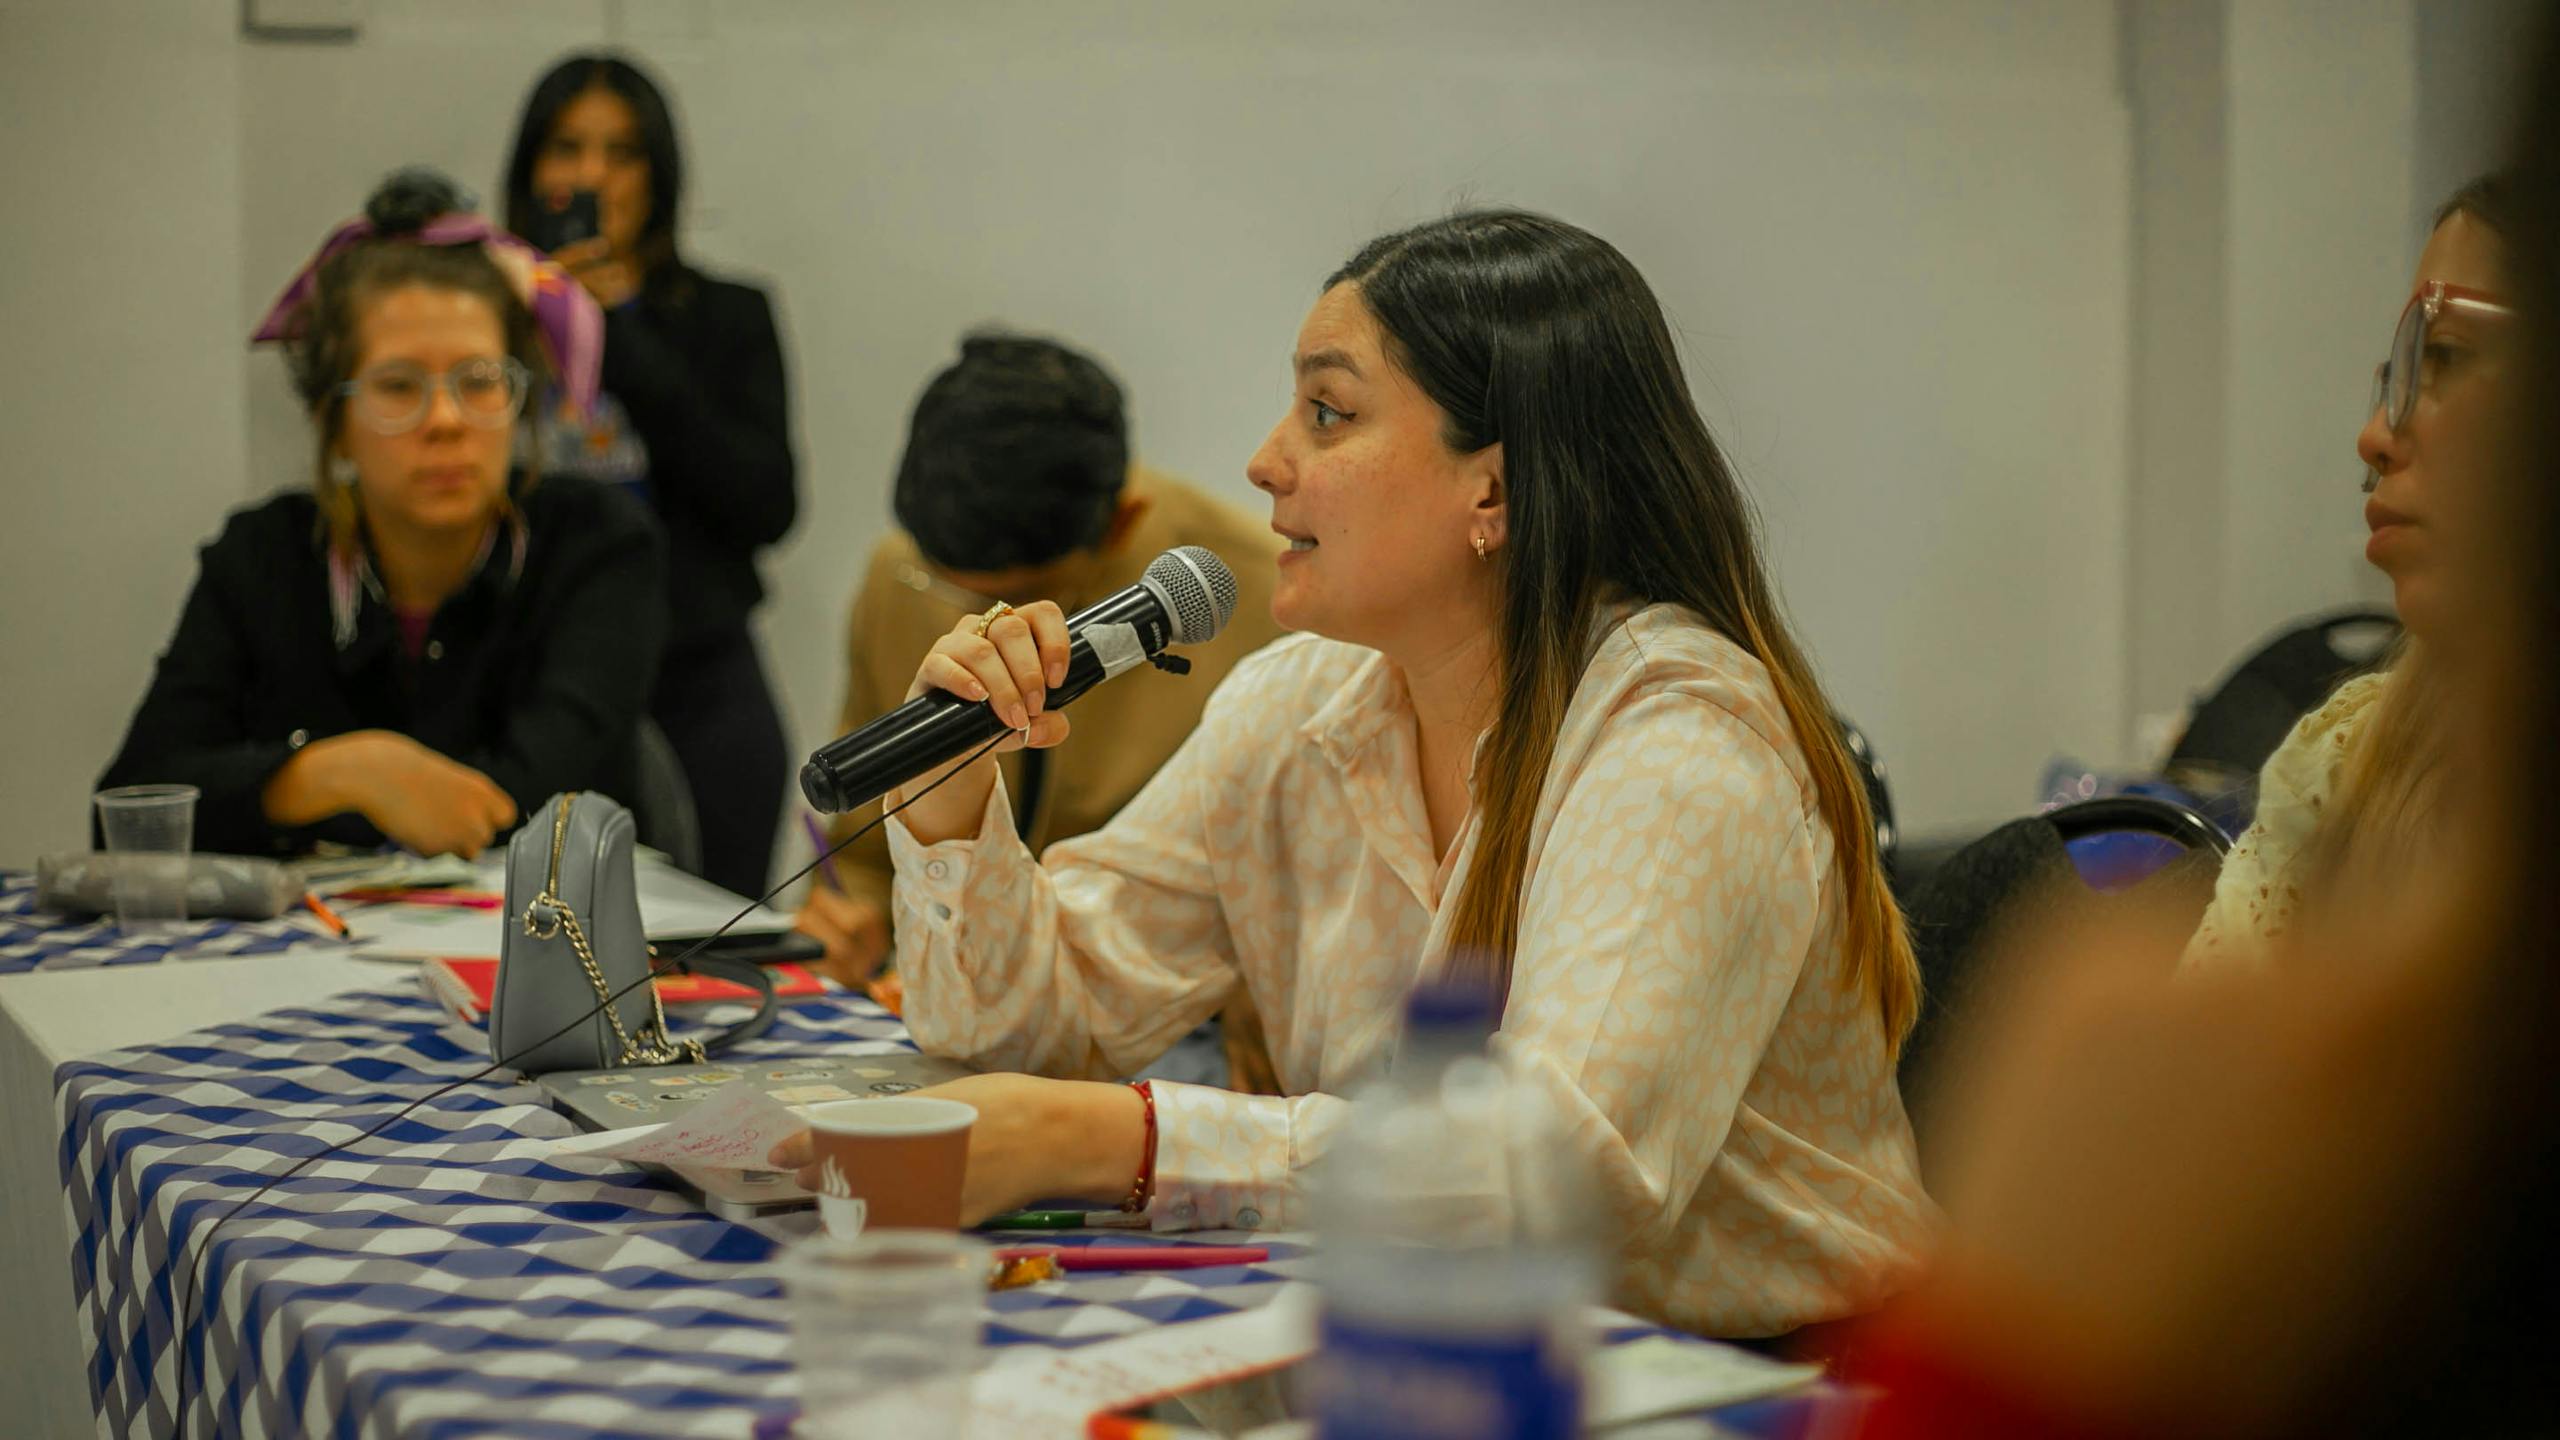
(571, 325)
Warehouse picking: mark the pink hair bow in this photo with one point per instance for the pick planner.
(572, 327)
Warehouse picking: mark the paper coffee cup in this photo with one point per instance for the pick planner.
(893, 1163)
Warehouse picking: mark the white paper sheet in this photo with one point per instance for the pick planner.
(734, 1128)
(672, 904)
(1661, 1376)
(1035, 1393)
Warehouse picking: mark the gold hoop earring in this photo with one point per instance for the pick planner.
(1481, 553)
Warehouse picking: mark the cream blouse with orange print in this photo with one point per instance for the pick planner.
(1678, 986)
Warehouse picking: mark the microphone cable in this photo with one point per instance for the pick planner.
(186, 1293)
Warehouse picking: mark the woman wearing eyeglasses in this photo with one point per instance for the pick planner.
(423, 645)
(2355, 783)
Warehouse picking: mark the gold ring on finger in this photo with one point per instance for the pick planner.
(995, 612)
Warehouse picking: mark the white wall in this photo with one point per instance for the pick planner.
(2471, 58)
(1919, 216)
(1898, 241)
(2321, 112)
(120, 386)
(2178, 85)
(2273, 144)
(1894, 241)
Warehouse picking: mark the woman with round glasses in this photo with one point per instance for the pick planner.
(424, 645)
(2355, 784)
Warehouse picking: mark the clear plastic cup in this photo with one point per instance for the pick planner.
(149, 829)
(885, 1331)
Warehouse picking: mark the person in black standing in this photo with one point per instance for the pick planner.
(694, 420)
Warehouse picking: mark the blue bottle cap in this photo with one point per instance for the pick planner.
(1450, 1007)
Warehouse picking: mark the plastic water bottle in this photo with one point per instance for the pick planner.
(1459, 1247)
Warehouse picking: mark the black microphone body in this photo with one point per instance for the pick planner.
(1135, 625)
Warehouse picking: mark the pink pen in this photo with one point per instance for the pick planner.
(462, 899)
(1140, 1257)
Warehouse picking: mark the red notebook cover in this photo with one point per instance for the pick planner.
(466, 985)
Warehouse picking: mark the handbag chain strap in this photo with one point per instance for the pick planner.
(652, 1046)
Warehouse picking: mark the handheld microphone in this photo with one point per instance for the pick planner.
(1186, 597)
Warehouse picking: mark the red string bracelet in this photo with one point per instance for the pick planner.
(1143, 1189)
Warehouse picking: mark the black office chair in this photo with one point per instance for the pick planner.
(662, 803)
(2140, 815)
(1879, 798)
(2011, 874)
(2240, 724)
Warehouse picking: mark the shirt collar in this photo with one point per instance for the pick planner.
(1372, 698)
(353, 578)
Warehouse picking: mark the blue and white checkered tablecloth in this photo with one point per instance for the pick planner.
(449, 1277)
(32, 940)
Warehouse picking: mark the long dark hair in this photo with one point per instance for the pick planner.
(1540, 337)
(552, 93)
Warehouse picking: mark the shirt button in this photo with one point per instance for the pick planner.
(297, 739)
(937, 870)
(1182, 1210)
(941, 911)
(1248, 1217)
(435, 649)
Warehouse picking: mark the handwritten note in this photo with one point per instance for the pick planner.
(734, 1128)
(1034, 1393)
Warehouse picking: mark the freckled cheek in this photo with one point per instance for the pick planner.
(1364, 498)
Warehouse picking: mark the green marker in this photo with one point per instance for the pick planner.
(1066, 1220)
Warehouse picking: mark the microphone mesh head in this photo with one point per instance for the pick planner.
(1197, 588)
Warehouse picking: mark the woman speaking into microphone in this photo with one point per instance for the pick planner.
(1544, 728)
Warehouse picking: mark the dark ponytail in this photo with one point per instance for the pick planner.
(410, 197)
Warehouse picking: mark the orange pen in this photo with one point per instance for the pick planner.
(327, 916)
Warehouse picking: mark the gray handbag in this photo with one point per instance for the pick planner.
(572, 942)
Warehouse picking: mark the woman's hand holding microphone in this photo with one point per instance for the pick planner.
(1009, 657)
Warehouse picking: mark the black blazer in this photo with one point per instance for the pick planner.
(697, 365)
(535, 675)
